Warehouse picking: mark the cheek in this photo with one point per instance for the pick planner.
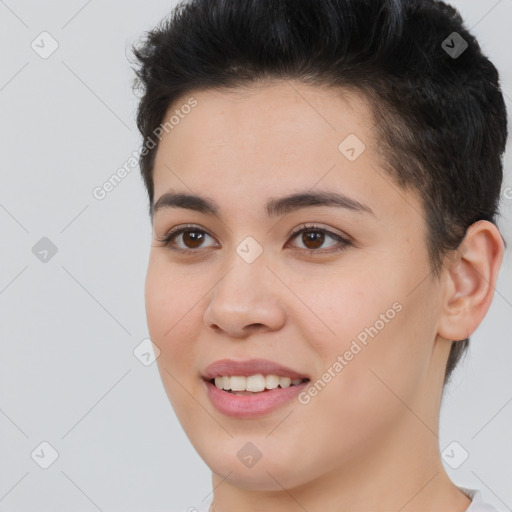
(380, 342)
(171, 312)
(169, 295)
(174, 320)
(348, 307)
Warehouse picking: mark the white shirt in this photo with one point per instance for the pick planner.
(477, 504)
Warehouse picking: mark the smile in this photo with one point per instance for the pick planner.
(241, 385)
(251, 388)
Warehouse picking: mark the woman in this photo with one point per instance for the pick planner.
(323, 181)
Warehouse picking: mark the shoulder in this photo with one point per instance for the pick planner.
(477, 502)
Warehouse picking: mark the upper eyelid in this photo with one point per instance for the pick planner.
(312, 226)
(297, 229)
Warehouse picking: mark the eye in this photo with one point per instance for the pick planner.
(313, 237)
(193, 236)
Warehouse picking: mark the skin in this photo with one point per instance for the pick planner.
(368, 440)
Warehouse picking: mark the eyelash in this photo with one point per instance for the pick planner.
(173, 233)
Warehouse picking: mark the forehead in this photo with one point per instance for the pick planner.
(286, 110)
(261, 141)
(262, 126)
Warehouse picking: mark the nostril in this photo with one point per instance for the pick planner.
(254, 325)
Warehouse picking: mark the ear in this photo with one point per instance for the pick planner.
(469, 281)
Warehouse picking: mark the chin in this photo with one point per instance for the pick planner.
(270, 473)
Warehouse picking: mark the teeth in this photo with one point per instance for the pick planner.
(238, 383)
(271, 381)
(285, 382)
(254, 383)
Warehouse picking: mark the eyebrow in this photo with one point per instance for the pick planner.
(273, 208)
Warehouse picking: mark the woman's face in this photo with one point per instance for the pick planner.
(358, 318)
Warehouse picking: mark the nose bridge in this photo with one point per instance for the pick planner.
(247, 267)
(246, 277)
(244, 295)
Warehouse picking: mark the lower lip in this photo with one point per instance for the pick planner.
(247, 406)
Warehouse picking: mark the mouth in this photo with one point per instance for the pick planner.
(251, 388)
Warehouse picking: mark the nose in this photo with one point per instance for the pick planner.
(245, 300)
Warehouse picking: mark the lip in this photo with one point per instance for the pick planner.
(250, 367)
(248, 406)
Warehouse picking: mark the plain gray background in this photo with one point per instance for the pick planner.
(69, 325)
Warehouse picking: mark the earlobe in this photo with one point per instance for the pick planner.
(470, 278)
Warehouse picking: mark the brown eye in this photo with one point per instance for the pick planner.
(192, 238)
(313, 237)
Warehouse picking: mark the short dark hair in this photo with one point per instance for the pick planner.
(440, 118)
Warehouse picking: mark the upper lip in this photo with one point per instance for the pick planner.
(249, 367)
